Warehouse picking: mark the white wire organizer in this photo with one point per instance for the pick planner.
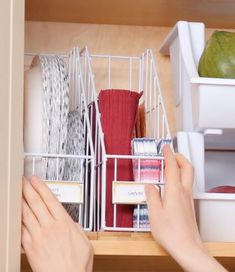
(132, 73)
(76, 191)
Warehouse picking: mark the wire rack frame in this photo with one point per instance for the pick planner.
(87, 171)
(157, 123)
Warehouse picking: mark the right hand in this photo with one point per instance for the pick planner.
(172, 218)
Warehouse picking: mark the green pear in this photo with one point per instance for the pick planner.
(218, 57)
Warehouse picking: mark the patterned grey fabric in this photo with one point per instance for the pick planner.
(55, 114)
(63, 131)
(73, 170)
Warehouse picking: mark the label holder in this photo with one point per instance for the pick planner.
(130, 192)
(67, 191)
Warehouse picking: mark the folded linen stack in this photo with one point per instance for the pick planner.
(147, 170)
(142, 212)
(144, 170)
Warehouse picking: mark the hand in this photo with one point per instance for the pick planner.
(50, 238)
(172, 218)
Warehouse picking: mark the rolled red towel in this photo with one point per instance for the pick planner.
(223, 189)
(118, 110)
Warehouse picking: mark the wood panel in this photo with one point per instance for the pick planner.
(138, 264)
(11, 131)
(126, 264)
(135, 264)
(143, 244)
(118, 252)
(103, 39)
(133, 12)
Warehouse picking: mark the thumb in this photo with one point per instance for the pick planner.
(153, 200)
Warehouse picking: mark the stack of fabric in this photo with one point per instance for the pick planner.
(146, 170)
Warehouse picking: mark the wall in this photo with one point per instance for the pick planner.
(103, 39)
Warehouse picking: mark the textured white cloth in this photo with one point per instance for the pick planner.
(55, 114)
(63, 131)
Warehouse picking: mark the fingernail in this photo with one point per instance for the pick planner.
(166, 147)
(157, 187)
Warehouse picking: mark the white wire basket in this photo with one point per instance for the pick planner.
(76, 191)
(132, 73)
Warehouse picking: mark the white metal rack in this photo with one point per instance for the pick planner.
(204, 109)
(133, 73)
(79, 193)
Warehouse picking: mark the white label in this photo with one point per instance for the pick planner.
(67, 192)
(128, 192)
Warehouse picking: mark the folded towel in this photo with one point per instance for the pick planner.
(118, 110)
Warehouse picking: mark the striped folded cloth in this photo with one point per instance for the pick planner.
(147, 169)
(143, 217)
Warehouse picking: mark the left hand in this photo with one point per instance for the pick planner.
(51, 240)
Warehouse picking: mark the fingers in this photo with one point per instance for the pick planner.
(36, 203)
(51, 202)
(172, 173)
(29, 220)
(186, 170)
(25, 238)
(153, 201)
(177, 169)
(187, 176)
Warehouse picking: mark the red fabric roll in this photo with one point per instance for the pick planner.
(223, 189)
(118, 110)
